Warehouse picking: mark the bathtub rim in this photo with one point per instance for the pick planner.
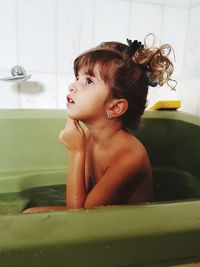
(61, 113)
(177, 223)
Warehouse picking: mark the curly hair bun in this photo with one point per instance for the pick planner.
(157, 61)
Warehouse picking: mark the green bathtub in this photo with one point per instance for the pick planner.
(33, 167)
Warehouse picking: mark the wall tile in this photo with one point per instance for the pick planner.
(195, 2)
(191, 63)
(192, 52)
(190, 95)
(194, 24)
(39, 91)
(75, 31)
(63, 82)
(159, 2)
(111, 27)
(190, 89)
(8, 40)
(9, 93)
(145, 18)
(178, 3)
(198, 106)
(86, 31)
(37, 36)
(175, 21)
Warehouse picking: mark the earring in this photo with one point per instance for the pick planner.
(109, 115)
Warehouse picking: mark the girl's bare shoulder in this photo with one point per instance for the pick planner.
(128, 143)
(132, 151)
(127, 147)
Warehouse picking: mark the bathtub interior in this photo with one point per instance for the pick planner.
(172, 142)
(33, 162)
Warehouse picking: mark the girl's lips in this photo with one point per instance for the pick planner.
(70, 100)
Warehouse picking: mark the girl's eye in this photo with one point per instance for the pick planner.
(89, 81)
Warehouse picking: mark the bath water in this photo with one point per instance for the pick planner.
(169, 185)
(13, 203)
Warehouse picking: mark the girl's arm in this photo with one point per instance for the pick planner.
(76, 190)
(119, 181)
(44, 209)
(74, 139)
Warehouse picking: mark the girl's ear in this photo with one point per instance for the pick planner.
(117, 107)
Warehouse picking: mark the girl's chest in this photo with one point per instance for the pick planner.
(96, 164)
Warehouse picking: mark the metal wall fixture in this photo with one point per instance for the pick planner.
(18, 74)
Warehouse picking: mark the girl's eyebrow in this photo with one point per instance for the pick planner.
(92, 76)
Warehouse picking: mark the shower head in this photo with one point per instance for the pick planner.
(18, 74)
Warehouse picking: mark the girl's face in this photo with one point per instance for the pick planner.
(88, 97)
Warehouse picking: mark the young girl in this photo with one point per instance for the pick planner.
(107, 164)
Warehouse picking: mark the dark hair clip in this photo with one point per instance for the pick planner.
(153, 84)
(134, 45)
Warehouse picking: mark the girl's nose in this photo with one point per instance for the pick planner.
(72, 88)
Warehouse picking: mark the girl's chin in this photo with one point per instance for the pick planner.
(72, 116)
(76, 116)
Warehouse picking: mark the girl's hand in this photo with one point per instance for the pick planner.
(73, 136)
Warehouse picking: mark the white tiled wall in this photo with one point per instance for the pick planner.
(190, 79)
(44, 36)
(111, 20)
(8, 34)
(36, 32)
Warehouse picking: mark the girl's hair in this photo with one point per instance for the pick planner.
(129, 69)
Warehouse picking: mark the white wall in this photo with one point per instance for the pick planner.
(189, 91)
(44, 36)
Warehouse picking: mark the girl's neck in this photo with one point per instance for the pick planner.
(102, 133)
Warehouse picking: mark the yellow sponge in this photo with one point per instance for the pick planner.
(166, 104)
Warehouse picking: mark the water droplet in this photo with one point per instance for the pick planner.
(46, 217)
